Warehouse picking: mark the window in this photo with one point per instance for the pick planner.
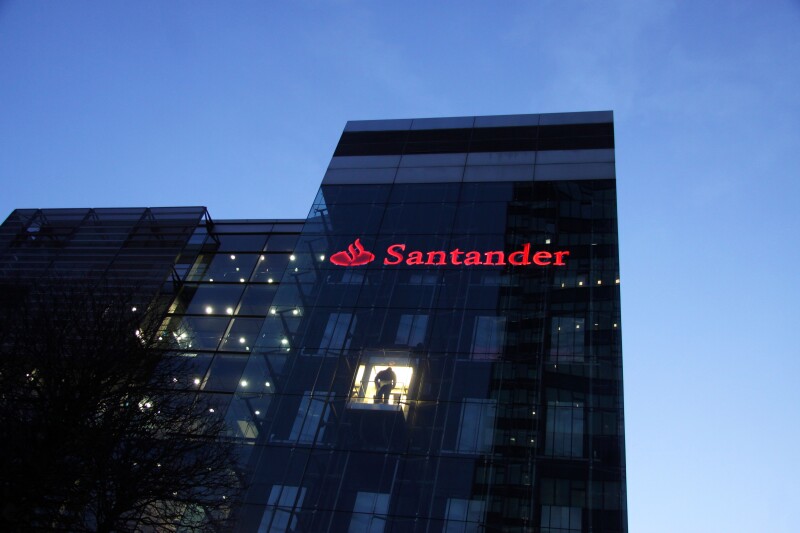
(279, 516)
(566, 339)
(335, 336)
(352, 277)
(565, 421)
(365, 394)
(411, 330)
(423, 279)
(309, 425)
(226, 371)
(199, 333)
(563, 501)
(488, 337)
(369, 513)
(228, 267)
(561, 519)
(475, 434)
(463, 516)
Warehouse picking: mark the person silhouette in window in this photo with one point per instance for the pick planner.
(385, 381)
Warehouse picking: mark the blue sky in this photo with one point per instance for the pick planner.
(238, 106)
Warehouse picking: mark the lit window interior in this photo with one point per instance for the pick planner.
(365, 393)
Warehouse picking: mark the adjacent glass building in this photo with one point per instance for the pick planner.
(477, 257)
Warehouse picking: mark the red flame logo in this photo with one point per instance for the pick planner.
(355, 255)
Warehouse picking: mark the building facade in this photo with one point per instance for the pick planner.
(436, 347)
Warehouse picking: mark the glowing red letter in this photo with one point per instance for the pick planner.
(440, 256)
(521, 257)
(414, 258)
(500, 255)
(394, 250)
(542, 258)
(473, 258)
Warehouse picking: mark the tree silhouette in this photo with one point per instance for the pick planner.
(97, 431)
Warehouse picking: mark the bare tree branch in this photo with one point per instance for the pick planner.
(96, 431)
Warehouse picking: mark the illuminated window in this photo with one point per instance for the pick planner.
(373, 388)
(279, 516)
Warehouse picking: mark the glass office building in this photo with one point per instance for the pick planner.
(435, 348)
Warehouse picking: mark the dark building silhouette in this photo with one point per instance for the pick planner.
(476, 256)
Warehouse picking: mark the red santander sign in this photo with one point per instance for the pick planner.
(397, 254)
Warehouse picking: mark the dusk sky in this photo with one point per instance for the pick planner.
(238, 106)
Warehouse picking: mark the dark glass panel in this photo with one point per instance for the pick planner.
(257, 299)
(353, 194)
(508, 132)
(242, 335)
(436, 147)
(199, 333)
(418, 218)
(281, 243)
(440, 135)
(425, 193)
(225, 372)
(270, 267)
(241, 243)
(212, 299)
(503, 145)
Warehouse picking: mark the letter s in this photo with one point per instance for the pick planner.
(394, 250)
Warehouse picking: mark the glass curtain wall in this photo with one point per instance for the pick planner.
(216, 318)
(454, 395)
